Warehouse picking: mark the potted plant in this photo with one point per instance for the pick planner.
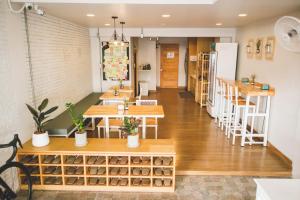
(121, 85)
(40, 137)
(77, 119)
(130, 129)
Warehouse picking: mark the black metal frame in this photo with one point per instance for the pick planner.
(7, 193)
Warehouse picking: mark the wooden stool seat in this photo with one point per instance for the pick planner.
(243, 103)
(233, 98)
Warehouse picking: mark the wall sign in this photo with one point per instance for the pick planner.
(193, 58)
(170, 55)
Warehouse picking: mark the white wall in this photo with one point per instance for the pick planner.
(14, 76)
(282, 73)
(147, 55)
(106, 33)
(61, 60)
(61, 66)
(182, 42)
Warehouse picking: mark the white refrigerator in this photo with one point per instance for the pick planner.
(222, 64)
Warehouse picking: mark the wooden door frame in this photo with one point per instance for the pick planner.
(160, 73)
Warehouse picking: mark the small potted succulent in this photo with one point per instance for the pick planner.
(130, 129)
(121, 85)
(40, 137)
(77, 119)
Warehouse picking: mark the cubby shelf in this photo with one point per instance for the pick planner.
(104, 181)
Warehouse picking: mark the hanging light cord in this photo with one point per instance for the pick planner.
(13, 10)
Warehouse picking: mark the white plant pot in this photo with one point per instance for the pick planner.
(40, 140)
(133, 141)
(80, 139)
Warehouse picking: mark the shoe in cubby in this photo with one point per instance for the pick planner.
(157, 182)
(114, 181)
(29, 159)
(167, 182)
(136, 181)
(91, 160)
(52, 180)
(114, 171)
(123, 182)
(101, 160)
(48, 170)
(145, 182)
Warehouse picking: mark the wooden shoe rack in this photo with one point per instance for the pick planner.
(102, 165)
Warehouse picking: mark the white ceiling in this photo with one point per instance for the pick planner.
(187, 15)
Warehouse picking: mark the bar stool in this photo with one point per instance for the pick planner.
(235, 106)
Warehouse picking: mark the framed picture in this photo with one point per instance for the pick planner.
(115, 60)
(250, 48)
(270, 48)
(259, 43)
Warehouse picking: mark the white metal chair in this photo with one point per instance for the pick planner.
(114, 123)
(150, 122)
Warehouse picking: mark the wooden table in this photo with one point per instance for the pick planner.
(125, 89)
(111, 111)
(111, 96)
(254, 91)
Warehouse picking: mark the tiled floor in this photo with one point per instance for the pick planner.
(187, 188)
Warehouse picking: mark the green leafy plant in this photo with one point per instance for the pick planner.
(130, 125)
(39, 116)
(77, 119)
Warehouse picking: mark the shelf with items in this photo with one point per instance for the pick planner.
(125, 170)
(203, 63)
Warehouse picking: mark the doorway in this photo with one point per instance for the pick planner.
(169, 61)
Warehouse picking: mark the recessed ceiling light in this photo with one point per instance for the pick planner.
(90, 15)
(219, 24)
(242, 15)
(106, 24)
(166, 15)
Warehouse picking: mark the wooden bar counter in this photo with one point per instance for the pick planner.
(102, 165)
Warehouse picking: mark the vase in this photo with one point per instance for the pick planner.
(133, 141)
(40, 140)
(80, 139)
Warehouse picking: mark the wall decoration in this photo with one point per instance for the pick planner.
(250, 49)
(170, 55)
(270, 48)
(115, 59)
(193, 58)
(259, 48)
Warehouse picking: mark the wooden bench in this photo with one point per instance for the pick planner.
(62, 125)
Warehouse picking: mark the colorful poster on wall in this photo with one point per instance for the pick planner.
(115, 59)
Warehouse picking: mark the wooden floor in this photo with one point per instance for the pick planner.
(202, 148)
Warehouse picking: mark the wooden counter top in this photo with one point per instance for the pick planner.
(95, 145)
(133, 111)
(251, 90)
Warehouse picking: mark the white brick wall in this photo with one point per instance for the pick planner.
(60, 53)
(61, 66)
